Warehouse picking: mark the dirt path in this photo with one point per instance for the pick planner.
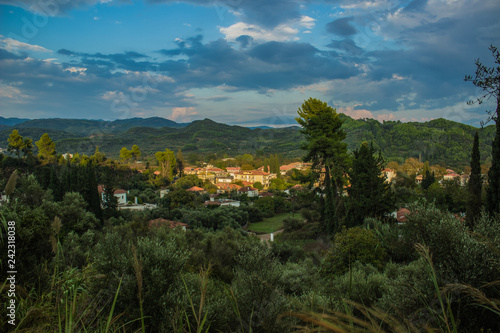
(267, 237)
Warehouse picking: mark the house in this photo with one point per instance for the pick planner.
(196, 189)
(401, 215)
(164, 192)
(224, 179)
(419, 179)
(285, 168)
(189, 170)
(224, 187)
(248, 190)
(120, 194)
(296, 165)
(390, 174)
(222, 202)
(451, 176)
(233, 170)
(163, 222)
(297, 187)
(266, 194)
(215, 171)
(254, 176)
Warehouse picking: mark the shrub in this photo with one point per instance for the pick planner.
(351, 245)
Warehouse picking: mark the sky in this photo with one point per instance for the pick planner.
(245, 62)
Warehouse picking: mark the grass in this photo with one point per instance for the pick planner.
(270, 224)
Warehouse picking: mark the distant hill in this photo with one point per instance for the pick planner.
(11, 121)
(34, 134)
(85, 127)
(438, 141)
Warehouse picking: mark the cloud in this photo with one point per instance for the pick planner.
(76, 70)
(218, 98)
(307, 22)
(284, 32)
(182, 114)
(278, 33)
(355, 113)
(13, 93)
(52, 8)
(341, 27)
(265, 13)
(19, 48)
(244, 40)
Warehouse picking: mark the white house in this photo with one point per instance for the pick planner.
(121, 195)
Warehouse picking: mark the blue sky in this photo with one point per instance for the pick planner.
(248, 62)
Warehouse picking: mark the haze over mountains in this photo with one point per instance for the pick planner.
(438, 141)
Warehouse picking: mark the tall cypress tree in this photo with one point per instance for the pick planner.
(493, 189)
(488, 79)
(475, 185)
(428, 178)
(369, 193)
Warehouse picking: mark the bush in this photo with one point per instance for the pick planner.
(363, 284)
(351, 245)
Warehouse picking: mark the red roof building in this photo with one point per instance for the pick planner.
(402, 214)
(163, 222)
(195, 189)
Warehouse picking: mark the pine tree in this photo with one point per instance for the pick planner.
(125, 154)
(475, 185)
(326, 150)
(46, 148)
(166, 160)
(135, 152)
(180, 162)
(16, 143)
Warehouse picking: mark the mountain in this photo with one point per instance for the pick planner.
(35, 134)
(438, 141)
(85, 127)
(11, 121)
(261, 127)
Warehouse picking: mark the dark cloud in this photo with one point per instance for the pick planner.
(265, 13)
(4, 54)
(244, 40)
(217, 98)
(341, 27)
(346, 46)
(126, 60)
(271, 65)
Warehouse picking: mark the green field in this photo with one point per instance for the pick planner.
(270, 224)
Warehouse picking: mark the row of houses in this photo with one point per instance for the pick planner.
(231, 174)
(226, 188)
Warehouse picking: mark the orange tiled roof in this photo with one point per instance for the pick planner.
(195, 189)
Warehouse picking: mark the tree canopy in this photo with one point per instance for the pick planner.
(326, 150)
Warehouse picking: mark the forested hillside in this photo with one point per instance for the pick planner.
(439, 141)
